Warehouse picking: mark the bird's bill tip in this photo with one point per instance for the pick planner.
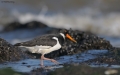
(69, 37)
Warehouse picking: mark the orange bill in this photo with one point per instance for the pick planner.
(69, 37)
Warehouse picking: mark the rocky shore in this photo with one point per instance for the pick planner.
(8, 52)
(85, 41)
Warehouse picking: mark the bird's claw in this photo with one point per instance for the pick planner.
(54, 61)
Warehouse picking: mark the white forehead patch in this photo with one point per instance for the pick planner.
(62, 35)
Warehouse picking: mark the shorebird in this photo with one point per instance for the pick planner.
(45, 44)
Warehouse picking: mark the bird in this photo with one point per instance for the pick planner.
(45, 44)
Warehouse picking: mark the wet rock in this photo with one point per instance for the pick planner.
(114, 54)
(9, 52)
(40, 71)
(103, 59)
(85, 41)
(29, 25)
(110, 58)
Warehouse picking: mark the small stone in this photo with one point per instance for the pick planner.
(111, 71)
(24, 63)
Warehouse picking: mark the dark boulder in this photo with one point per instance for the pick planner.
(85, 41)
(9, 52)
(30, 25)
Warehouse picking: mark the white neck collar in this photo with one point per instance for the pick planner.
(62, 35)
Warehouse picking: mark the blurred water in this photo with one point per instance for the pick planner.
(97, 16)
(23, 34)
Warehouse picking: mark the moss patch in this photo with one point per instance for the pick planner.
(81, 70)
(8, 71)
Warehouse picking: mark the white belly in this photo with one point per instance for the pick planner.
(42, 49)
(34, 49)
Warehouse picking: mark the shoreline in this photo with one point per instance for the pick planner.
(87, 41)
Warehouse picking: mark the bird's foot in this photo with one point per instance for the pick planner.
(54, 61)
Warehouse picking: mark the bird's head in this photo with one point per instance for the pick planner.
(65, 34)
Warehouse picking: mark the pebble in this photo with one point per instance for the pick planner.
(111, 72)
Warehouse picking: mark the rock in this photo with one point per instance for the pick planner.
(114, 53)
(112, 57)
(111, 72)
(85, 41)
(9, 52)
(29, 25)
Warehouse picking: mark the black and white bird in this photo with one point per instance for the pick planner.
(45, 44)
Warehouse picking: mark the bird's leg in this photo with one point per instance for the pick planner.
(52, 60)
(41, 62)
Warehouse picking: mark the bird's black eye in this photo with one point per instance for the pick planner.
(64, 31)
